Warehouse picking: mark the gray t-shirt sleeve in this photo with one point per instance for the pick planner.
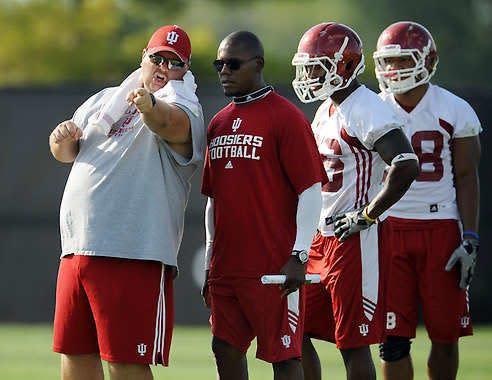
(184, 166)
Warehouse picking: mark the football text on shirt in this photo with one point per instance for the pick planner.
(235, 146)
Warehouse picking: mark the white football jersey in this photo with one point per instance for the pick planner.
(345, 141)
(431, 126)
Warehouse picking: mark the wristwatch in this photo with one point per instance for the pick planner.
(301, 255)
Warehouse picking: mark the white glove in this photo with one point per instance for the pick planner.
(351, 222)
(466, 255)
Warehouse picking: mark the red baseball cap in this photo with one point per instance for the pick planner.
(170, 38)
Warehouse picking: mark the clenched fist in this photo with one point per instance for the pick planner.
(66, 130)
(142, 98)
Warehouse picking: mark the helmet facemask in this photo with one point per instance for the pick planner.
(399, 81)
(328, 78)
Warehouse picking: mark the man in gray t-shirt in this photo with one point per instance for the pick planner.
(134, 150)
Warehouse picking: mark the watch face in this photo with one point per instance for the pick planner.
(303, 256)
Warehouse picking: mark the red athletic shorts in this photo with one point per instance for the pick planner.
(119, 308)
(417, 277)
(347, 308)
(245, 308)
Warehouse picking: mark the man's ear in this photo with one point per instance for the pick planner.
(144, 52)
(260, 63)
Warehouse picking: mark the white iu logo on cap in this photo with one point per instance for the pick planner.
(172, 37)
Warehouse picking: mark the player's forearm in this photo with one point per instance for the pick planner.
(466, 160)
(65, 151)
(468, 199)
(400, 177)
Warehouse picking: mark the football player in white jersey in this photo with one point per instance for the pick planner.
(357, 135)
(435, 224)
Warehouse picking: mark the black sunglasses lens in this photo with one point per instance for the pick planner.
(218, 64)
(234, 64)
(171, 64)
(156, 59)
(176, 63)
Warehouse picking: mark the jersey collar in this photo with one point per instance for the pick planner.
(258, 94)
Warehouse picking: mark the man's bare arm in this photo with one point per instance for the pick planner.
(164, 119)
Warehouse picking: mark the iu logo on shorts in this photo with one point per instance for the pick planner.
(172, 37)
(465, 321)
(363, 329)
(142, 349)
(286, 341)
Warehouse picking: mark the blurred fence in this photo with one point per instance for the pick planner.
(32, 184)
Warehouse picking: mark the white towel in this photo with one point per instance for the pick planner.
(181, 92)
(175, 91)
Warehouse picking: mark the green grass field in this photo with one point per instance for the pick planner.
(25, 353)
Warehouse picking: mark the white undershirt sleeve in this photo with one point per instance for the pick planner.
(209, 231)
(307, 219)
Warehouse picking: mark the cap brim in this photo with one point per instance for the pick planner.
(158, 49)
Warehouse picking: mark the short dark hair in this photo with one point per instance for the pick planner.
(248, 41)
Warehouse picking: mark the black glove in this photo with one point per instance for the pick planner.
(466, 255)
(351, 222)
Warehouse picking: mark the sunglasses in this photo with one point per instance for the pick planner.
(233, 63)
(171, 64)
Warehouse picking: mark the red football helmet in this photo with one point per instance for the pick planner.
(405, 39)
(328, 58)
